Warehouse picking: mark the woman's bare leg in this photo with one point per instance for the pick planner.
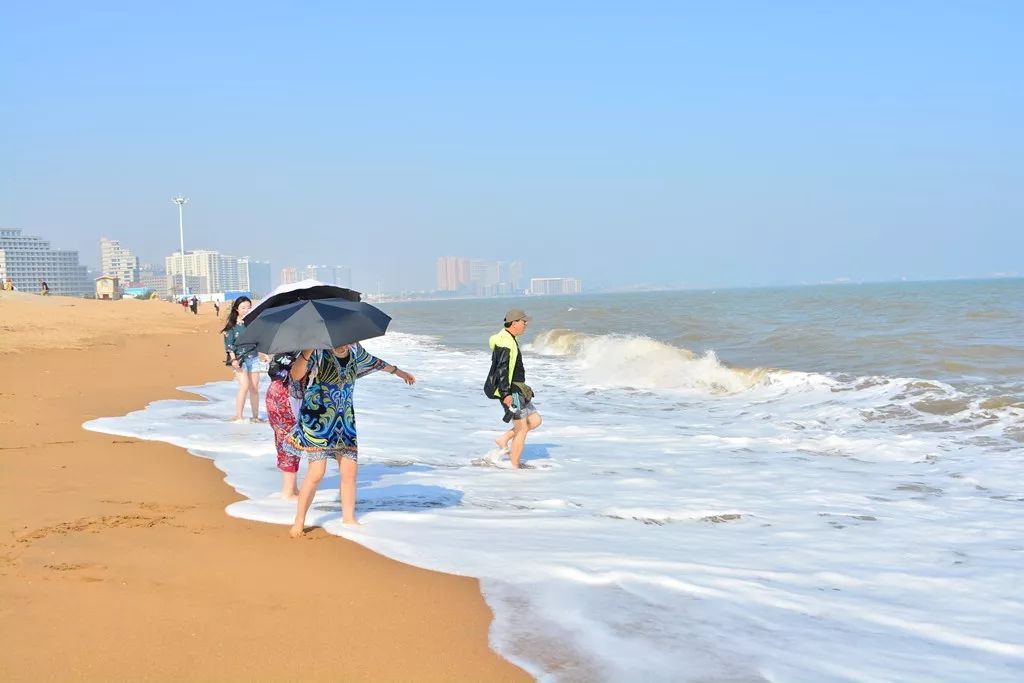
(288, 489)
(314, 474)
(254, 394)
(349, 472)
(242, 377)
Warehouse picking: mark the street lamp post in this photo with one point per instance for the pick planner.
(181, 201)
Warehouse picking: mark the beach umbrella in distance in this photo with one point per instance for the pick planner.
(317, 324)
(305, 290)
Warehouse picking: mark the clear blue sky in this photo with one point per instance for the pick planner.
(669, 143)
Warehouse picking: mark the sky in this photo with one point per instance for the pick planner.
(675, 144)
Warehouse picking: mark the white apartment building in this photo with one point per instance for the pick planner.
(206, 272)
(331, 275)
(211, 272)
(555, 285)
(28, 260)
(119, 262)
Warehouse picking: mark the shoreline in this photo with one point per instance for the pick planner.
(120, 550)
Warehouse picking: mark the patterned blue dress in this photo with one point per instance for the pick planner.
(326, 425)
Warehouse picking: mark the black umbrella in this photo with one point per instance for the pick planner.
(317, 291)
(320, 324)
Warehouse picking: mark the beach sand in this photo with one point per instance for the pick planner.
(117, 561)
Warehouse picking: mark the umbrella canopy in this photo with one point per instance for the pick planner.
(319, 324)
(306, 290)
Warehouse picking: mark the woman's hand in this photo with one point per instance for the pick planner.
(406, 377)
(264, 358)
(234, 363)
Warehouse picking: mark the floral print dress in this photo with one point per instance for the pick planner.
(326, 425)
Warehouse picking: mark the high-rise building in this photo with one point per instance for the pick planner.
(155, 278)
(514, 276)
(289, 274)
(118, 261)
(555, 285)
(254, 276)
(212, 272)
(453, 273)
(478, 276)
(29, 260)
(330, 275)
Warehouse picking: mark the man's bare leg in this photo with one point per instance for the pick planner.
(503, 440)
(519, 430)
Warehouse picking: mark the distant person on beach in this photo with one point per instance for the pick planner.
(245, 361)
(506, 381)
(9, 285)
(184, 303)
(326, 426)
(284, 397)
(194, 305)
(216, 309)
(44, 288)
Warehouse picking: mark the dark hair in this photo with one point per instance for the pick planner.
(509, 324)
(233, 315)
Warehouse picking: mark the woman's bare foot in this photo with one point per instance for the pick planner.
(294, 495)
(502, 446)
(239, 420)
(296, 531)
(351, 522)
(255, 420)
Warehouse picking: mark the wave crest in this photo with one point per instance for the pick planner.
(638, 362)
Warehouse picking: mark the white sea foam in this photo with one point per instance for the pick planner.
(680, 520)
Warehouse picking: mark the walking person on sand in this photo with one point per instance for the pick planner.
(506, 381)
(245, 361)
(326, 426)
(284, 396)
(216, 309)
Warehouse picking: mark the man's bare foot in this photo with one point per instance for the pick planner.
(239, 420)
(255, 420)
(296, 531)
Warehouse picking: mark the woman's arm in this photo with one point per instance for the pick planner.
(229, 345)
(367, 363)
(300, 368)
(406, 377)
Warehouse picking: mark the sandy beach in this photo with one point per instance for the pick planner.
(117, 561)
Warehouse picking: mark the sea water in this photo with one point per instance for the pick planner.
(805, 484)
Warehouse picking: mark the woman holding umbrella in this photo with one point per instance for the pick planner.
(326, 426)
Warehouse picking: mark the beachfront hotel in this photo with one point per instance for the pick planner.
(555, 285)
(28, 260)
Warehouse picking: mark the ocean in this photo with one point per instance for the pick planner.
(820, 483)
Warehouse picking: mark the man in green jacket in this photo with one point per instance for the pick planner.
(506, 381)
